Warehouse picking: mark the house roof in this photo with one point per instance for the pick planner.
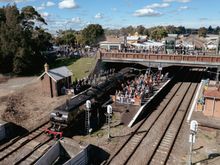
(169, 39)
(109, 43)
(113, 40)
(173, 35)
(58, 73)
(132, 38)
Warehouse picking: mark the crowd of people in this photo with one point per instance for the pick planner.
(161, 50)
(132, 49)
(138, 90)
(86, 82)
(68, 51)
(134, 91)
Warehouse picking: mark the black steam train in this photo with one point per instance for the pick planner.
(64, 115)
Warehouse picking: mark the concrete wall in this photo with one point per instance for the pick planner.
(2, 131)
(54, 152)
(80, 159)
(51, 155)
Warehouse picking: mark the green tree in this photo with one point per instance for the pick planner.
(202, 32)
(181, 30)
(210, 30)
(158, 33)
(92, 34)
(146, 32)
(22, 43)
(140, 29)
(67, 37)
(128, 30)
(217, 30)
(171, 29)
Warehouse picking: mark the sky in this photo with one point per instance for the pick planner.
(77, 14)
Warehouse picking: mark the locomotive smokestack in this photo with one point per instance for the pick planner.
(46, 67)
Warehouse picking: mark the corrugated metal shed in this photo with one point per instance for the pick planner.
(60, 73)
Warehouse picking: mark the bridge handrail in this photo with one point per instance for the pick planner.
(164, 57)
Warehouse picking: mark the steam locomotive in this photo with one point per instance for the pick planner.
(64, 115)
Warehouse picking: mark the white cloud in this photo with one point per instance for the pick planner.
(44, 5)
(149, 10)
(146, 12)
(157, 5)
(88, 23)
(49, 4)
(99, 16)
(203, 19)
(183, 8)
(114, 9)
(40, 8)
(181, 1)
(14, 1)
(67, 4)
(76, 20)
(45, 14)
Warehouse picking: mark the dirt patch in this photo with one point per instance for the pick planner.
(14, 109)
(206, 149)
(27, 106)
(118, 132)
(3, 79)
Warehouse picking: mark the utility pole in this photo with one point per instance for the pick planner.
(217, 46)
(109, 113)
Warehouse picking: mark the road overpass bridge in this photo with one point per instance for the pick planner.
(163, 60)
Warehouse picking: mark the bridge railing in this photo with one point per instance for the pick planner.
(159, 57)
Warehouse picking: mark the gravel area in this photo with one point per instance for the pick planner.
(22, 102)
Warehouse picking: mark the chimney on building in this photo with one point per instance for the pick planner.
(46, 67)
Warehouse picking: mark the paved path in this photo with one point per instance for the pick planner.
(14, 84)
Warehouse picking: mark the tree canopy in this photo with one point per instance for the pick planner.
(92, 34)
(22, 43)
(152, 31)
(158, 33)
(202, 32)
(67, 37)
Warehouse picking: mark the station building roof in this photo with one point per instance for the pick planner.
(58, 73)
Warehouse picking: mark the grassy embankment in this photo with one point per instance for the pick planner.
(80, 67)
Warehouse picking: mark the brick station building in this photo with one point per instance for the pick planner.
(54, 80)
(212, 102)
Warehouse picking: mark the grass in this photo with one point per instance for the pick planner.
(63, 62)
(80, 67)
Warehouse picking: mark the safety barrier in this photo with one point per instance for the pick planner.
(191, 59)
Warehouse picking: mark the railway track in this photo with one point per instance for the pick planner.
(163, 148)
(21, 148)
(152, 141)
